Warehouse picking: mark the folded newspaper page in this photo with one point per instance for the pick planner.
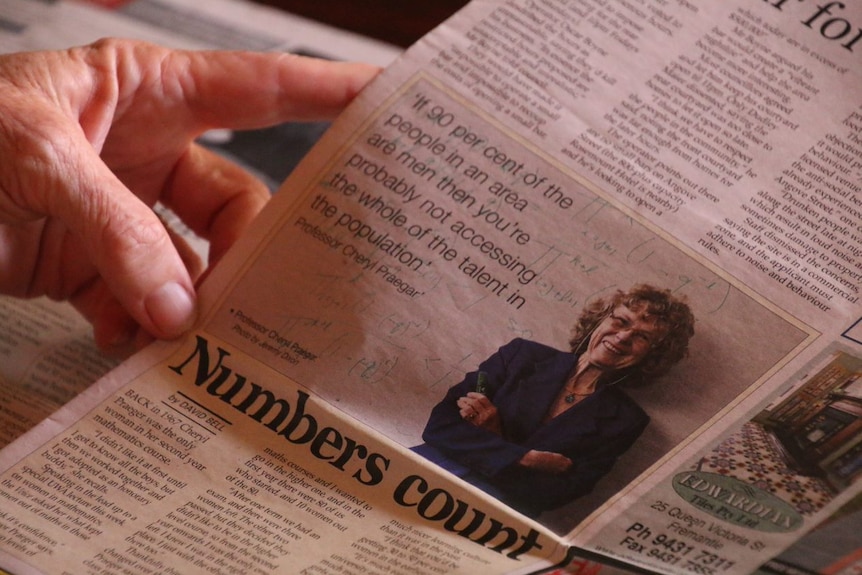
(570, 281)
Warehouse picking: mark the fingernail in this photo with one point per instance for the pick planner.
(172, 309)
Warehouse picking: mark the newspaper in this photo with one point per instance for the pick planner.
(524, 161)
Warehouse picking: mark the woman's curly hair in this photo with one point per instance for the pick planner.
(670, 312)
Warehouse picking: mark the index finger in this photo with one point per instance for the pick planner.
(239, 90)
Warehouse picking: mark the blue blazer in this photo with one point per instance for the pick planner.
(523, 380)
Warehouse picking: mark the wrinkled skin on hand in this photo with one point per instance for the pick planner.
(92, 137)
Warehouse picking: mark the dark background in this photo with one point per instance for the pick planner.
(399, 22)
(272, 153)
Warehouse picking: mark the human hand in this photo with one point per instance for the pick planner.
(546, 461)
(92, 137)
(478, 410)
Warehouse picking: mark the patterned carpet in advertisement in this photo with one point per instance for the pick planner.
(751, 455)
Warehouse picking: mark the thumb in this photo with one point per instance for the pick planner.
(127, 243)
(51, 172)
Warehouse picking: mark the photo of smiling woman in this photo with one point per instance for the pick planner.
(537, 427)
